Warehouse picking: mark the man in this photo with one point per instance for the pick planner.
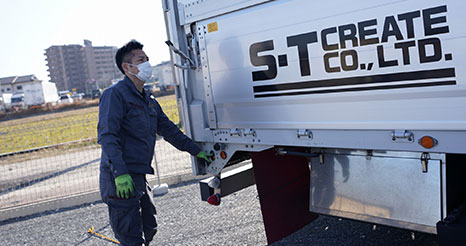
(129, 119)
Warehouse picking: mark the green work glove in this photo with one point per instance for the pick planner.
(124, 186)
(203, 155)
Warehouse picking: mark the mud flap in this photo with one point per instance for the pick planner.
(283, 186)
(452, 231)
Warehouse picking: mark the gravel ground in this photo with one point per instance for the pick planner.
(185, 220)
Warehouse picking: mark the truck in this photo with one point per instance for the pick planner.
(5, 102)
(17, 101)
(35, 94)
(350, 110)
(40, 93)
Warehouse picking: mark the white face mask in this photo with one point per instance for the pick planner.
(145, 71)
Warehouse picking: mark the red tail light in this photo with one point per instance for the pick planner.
(214, 199)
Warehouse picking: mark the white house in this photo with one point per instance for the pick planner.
(15, 84)
(33, 90)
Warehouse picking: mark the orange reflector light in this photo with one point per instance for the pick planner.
(223, 155)
(427, 142)
(214, 199)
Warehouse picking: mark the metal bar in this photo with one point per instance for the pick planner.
(45, 147)
(230, 182)
(295, 153)
(157, 169)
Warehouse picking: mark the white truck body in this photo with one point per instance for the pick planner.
(49, 90)
(33, 94)
(38, 94)
(5, 101)
(358, 84)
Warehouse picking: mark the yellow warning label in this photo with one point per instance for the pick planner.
(212, 27)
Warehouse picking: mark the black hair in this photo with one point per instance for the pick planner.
(124, 53)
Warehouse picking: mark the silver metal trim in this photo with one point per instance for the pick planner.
(211, 113)
(204, 9)
(377, 220)
(348, 186)
(443, 191)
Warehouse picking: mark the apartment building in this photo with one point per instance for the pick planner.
(82, 68)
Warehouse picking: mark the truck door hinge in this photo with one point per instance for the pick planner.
(304, 133)
(195, 51)
(249, 132)
(234, 132)
(425, 157)
(402, 136)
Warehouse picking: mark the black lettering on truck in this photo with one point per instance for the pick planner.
(301, 41)
(267, 60)
(340, 44)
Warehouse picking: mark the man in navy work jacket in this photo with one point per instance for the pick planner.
(129, 119)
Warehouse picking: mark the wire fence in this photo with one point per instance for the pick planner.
(56, 156)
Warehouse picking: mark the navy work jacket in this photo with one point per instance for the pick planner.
(127, 128)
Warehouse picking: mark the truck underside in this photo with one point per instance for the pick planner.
(295, 185)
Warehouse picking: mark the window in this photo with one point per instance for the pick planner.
(19, 87)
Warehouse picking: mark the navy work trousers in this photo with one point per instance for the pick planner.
(132, 220)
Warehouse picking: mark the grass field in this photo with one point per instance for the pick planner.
(64, 127)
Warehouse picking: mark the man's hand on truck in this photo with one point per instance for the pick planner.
(204, 156)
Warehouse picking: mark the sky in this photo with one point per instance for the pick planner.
(28, 27)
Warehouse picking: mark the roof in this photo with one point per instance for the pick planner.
(7, 80)
(18, 79)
